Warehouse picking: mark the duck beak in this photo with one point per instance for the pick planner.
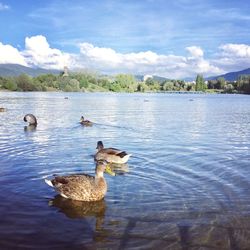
(109, 171)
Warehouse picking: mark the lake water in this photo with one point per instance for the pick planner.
(187, 185)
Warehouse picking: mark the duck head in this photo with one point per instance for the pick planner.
(82, 119)
(99, 145)
(103, 166)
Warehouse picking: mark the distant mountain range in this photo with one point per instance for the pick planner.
(231, 76)
(17, 69)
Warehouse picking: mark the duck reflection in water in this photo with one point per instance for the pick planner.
(78, 209)
(31, 119)
(119, 169)
(83, 209)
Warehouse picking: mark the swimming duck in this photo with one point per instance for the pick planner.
(83, 187)
(112, 155)
(31, 119)
(2, 109)
(85, 122)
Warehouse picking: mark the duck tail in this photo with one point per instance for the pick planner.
(49, 182)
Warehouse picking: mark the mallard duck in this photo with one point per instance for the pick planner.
(112, 155)
(2, 109)
(85, 122)
(83, 187)
(31, 119)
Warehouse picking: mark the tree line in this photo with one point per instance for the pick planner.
(92, 82)
(242, 85)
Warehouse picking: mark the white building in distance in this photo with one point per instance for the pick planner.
(147, 77)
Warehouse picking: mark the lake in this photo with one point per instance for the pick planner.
(186, 185)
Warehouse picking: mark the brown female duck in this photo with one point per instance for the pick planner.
(85, 122)
(83, 187)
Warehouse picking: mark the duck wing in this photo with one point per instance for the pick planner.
(115, 151)
(59, 180)
(71, 179)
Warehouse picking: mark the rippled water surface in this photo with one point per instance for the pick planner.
(185, 187)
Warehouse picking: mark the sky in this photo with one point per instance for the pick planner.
(169, 38)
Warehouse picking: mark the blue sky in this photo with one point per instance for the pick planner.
(176, 38)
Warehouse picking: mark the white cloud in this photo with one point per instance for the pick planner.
(195, 51)
(236, 50)
(109, 61)
(4, 6)
(10, 54)
(233, 57)
(38, 53)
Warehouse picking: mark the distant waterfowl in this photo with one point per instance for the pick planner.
(31, 119)
(83, 187)
(112, 155)
(85, 122)
(2, 109)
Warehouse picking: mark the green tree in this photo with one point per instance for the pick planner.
(229, 88)
(74, 85)
(25, 83)
(199, 83)
(243, 84)
(211, 84)
(8, 83)
(126, 82)
(190, 87)
(220, 83)
(142, 87)
(168, 86)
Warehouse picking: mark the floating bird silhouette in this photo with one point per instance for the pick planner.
(85, 122)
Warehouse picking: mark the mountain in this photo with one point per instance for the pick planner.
(231, 76)
(17, 69)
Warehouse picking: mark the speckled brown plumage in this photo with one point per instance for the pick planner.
(82, 187)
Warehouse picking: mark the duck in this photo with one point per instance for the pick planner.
(111, 155)
(31, 119)
(83, 187)
(85, 122)
(2, 109)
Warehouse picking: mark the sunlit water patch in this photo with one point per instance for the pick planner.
(186, 184)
